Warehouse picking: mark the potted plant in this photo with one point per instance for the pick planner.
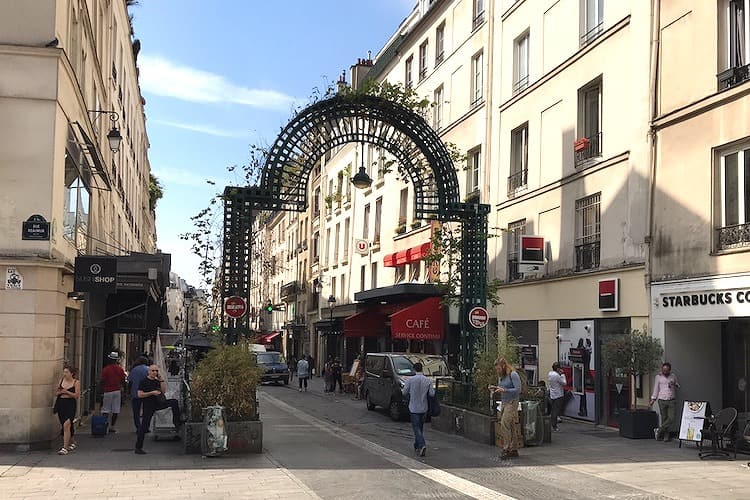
(633, 354)
(416, 224)
(228, 377)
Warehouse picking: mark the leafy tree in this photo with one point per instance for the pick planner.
(632, 354)
(155, 191)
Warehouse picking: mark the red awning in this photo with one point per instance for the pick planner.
(419, 252)
(268, 337)
(370, 323)
(401, 257)
(389, 260)
(424, 320)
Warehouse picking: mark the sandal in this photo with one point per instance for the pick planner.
(72, 446)
(63, 451)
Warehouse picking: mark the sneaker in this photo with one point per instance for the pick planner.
(300, 389)
(423, 451)
(63, 451)
(657, 434)
(139, 451)
(556, 429)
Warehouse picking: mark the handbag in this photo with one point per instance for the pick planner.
(433, 406)
(56, 401)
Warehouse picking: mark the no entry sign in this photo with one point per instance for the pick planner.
(235, 307)
(478, 317)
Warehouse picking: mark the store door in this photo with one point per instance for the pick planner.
(613, 389)
(735, 346)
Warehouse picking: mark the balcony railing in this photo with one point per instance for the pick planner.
(521, 84)
(478, 21)
(513, 273)
(592, 33)
(587, 255)
(291, 289)
(733, 76)
(587, 148)
(517, 181)
(439, 58)
(736, 236)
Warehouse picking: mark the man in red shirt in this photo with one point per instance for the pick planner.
(113, 378)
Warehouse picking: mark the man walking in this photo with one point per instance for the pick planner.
(113, 378)
(665, 388)
(557, 382)
(418, 388)
(303, 373)
(137, 374)
(152, 392)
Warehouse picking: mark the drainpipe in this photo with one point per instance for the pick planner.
(653, 113)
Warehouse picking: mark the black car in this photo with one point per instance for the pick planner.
(273, 367)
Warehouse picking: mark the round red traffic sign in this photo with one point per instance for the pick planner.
(235, 307)
(478, 317)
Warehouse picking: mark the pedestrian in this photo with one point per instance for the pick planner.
(418, 388)
(359, 378)
(152, 391)
(67, 393)
(138, 374)
(292, 366)
(557, 382)
(311, 365)
(509, 387)
(303, 373)
(336, 368)
(665, 388)
(328, 374)
(113, 378)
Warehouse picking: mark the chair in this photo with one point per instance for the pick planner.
(743, 441)
(720, 430)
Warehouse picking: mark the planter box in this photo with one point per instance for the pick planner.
(581, 144)
(638, 424)
(243, 437)
(469, 424)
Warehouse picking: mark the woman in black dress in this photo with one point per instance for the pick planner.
(68, 392)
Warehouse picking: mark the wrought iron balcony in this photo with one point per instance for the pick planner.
(521, 84)
(513, 274)
(587, 148)
(733, 76)
(587, 256)
(291, 289)
(517, 181)
(592, 34)
(736, 236)
(478, 21)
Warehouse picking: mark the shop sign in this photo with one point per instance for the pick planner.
(532, 250)
(13, 279)
(362, 247)
(712, 298)
(609, 294)
(95, 274)
(421, 321)
(693, 419)
(35, 228)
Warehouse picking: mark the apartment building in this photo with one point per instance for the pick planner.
(70, 89)
(572, 150)
(700, 227)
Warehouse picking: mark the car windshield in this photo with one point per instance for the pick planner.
(268, 358)
(432, 366)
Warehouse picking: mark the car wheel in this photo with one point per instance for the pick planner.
(370, 405)
(394, 410)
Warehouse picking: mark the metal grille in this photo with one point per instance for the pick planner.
(515, 231)
(588, 232)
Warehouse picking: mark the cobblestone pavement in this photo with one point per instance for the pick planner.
(318, 445)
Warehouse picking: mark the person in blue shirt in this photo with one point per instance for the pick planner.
(509, 387)
(137, 374)
(418, 388)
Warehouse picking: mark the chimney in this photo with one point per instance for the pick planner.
(341, 84)
(360, 69)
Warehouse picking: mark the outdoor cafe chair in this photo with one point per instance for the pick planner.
(719, 431)
(743, 441)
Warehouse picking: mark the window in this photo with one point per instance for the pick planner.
(734, 185)
(589, 142)
(736, 28)
(378, 213)
(366, 223)
(344, 297)
(328, 247)
(478, 14)
(515, 231)
(521, 63)
(408, 78)
(362, 272)
(381, 162)
(368, 166)
(402, 207)
(336, 240)
(588, 236)
(437, 109)
(77, 204)
(374, 275)
(440, 44)
(400, 274)
(592, 20)
(474, 160)
(347, 225)
(415, 272)
(519, 158)
(423, 61)
(333, 287)
(477, 79)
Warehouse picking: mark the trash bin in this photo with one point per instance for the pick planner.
(214, 432)
(532, 423)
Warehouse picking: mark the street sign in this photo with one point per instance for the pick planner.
(35, 228)
(235, 307)
(478, 317)
(362, 247)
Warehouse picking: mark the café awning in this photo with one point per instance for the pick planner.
(268, 337)
(369, 323)
(413, 254)
(424, 320)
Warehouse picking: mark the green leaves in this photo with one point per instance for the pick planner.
(633, 353)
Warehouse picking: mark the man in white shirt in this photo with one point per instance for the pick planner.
(665, 389)
(418, 388)
(556, 382)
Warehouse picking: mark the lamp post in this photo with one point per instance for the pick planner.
(113, 137)
(331, 305)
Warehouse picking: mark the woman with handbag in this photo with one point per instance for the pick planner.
(509, 387)
(67, 394)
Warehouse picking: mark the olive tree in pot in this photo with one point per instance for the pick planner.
(634, 354)
(227, 377)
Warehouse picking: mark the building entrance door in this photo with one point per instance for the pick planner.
(735, 347)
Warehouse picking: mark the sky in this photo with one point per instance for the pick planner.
(221, 75)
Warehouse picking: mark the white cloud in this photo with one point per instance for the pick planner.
(162, 77)
(184, 261)
(203, 129)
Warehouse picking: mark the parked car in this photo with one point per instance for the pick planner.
(386, 375)
(273, 367)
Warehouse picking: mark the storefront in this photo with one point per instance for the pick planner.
(704, 325)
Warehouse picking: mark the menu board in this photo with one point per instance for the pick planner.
(693, 418)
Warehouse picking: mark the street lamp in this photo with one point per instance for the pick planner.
(361, 180)
(113, 137)
(331, 304)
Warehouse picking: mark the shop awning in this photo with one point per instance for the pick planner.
(419, 252)
(370, 323)
(424, 320)
(413, 254)
(389, 260)
(402, 257)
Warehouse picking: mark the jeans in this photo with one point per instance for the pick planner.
(302, 380)
(557, 407)
(136, 412)
(417, 424)
(666, 410)
(148, 412)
